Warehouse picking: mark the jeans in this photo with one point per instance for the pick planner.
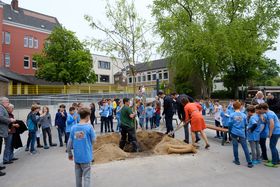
(47, 131)
(187, 133)
(67, 135)
(61, 132)
(129, 133)
(169, 124)
(110, 123)
(274, 152)
(263, 148)
(225, 137)
(151, 122)
(243, 143)
(9, 149)
(32, 140)
(255, 149)
(157, 116)
(119, 124)
(104, 122)
(1, 142)
(82, 171)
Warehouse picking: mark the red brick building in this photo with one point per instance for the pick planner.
(23, 35)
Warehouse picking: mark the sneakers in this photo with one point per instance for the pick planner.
(255, 162)
(46, 147)
(33, 152)
(269, 164)
(207, 146)
(53, 145)
(2, 167)
(197, 140)
(26, 149)
(9, 162)
(14, 159)
(236, 162)
(250, 165)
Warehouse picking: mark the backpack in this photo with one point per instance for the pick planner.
(30, 125)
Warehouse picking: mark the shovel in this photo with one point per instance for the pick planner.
(181, 124)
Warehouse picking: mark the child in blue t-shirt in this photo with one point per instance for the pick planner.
(149, 115)
(237, 124)
(274, 134)
(118, 115)
(225, 122)
(72, 119)
(81, 139)
(253, 133)
(264, 133)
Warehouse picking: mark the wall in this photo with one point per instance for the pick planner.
(18, 51)
(4, 88)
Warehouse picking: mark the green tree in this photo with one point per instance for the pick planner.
(65, 59)
(125, 37)
(214, 37)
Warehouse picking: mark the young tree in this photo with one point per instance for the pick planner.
(65, 59)
(125, 38)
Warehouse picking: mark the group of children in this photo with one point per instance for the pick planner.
(255, 124)
(149, 114)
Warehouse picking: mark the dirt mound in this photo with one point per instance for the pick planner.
(109, 152)
(148, 140)
(170, 145)
(113, 138)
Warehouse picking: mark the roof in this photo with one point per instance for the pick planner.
(2, 79)
(153, 65)
(28, 79)
(29, 18)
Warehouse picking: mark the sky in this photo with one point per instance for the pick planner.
(70, 14)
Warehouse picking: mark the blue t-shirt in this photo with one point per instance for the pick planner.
(110, 107)
(70, 122)
(225, 118)
(141, 111)
(149, 112)
(255, 134)
(82, 136)
(230, 108)
(272, 115)
(237, 123)
(118, 113)
(104, 111)
(264, 126)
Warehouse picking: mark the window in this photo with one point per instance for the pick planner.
(104, 65)
(144, 78)
(36, 43)
(7, 59)
(34, 64)
(160, 76)
(154, 76)
(130, 79)
(26, 62)
(30, 42)
(139, 79)
(7, 38)
(104, 78)
(25, 41)
(165, 75)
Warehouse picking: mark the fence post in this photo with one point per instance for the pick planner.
(88, 89)
(10, 89)
(65, 89)
(37, 90)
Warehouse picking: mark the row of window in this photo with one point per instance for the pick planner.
(29, 41)
(6, 58)
(151, 76)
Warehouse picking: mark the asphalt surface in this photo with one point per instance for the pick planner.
(212, 167)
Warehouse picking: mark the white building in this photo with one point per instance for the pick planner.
(105, 68)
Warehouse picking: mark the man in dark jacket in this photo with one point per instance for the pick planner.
(274, 104)
(60, 123)
(168, 110)
(4, 124)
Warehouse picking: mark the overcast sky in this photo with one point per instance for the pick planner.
(70, 14)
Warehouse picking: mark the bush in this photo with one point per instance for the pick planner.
(222, 94)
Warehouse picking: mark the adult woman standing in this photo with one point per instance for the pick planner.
(92, 115)
(194, 116)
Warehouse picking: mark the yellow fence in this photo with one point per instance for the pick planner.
(20, 89)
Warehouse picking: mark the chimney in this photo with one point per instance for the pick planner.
(14, 4)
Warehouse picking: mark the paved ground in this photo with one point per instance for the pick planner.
(206, 168)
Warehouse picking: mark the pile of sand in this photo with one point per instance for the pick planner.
(113, 138)
(106, 147)
(170, 145)
(108, 153)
